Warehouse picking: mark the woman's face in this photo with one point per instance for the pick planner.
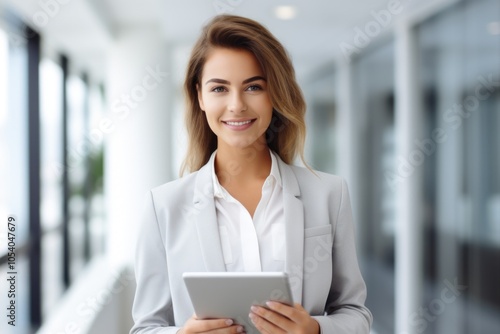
(233, 93)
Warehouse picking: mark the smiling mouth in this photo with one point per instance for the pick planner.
(235, 123)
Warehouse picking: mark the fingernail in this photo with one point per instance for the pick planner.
(253, 308)
(269, 304)
(239, 329)
(229, 322)
(251, 316)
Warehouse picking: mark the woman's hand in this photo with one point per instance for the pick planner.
(281, 318)
(212, 326)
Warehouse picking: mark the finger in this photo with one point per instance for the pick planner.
(263, 325)
(291, 312)
(299, 307)
(199, 325)
(274, 318)
(234, 329)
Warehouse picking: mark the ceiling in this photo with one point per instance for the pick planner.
(312, 36)
(85, 28)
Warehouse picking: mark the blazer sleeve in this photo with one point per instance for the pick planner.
(345, 312)
(152, 309)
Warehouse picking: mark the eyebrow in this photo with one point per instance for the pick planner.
(222, 81)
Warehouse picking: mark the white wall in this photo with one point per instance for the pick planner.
(137, 144)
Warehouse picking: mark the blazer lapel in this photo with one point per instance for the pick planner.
(208, 233)
(206, 220)
(294, 230)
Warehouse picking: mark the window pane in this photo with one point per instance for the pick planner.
(13, 136)
(51, 144)
(77, 154)
(96, 165)
(51, 183)
(373, 86)
(52, 266)
(321, 95)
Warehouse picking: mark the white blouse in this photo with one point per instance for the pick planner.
(256, 244)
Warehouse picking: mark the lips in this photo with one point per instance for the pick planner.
(239, 124)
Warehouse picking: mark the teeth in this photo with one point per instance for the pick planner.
(238, 123)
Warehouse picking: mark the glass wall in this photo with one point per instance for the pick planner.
(14, 200)
(322, 99)
(84, 167)
(95, 139)
(459, 51)
(51, 146)
(40, 219)
(373, 105)
(77, 162)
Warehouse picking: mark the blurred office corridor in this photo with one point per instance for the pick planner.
(403, 100)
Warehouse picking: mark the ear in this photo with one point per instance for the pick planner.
(200, 98)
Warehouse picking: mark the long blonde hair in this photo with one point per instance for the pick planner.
(287, 131)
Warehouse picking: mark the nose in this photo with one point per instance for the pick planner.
(237, 103)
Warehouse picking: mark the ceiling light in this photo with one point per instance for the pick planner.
(285, 12)
(494, 28)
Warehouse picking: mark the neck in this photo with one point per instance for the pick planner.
(240, 166)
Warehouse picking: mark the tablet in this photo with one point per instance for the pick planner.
(231, 294)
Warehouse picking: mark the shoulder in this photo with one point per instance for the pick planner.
(322, 194)
(316, 180)
(176, 191)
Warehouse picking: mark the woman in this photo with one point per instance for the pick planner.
(244, 207)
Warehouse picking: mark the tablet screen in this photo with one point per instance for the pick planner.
(231, 294)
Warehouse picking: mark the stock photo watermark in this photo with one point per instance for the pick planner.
(454, 117)
(41, 18)
(11, 271)
(226, 6)
(121, 108)
(381, 19)
(322, 252)
(49, 10)
(94, 304)
(19, 36)
(421, 318)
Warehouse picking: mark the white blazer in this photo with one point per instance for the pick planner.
(179, 233)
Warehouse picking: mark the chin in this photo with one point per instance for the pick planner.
(241, 144)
